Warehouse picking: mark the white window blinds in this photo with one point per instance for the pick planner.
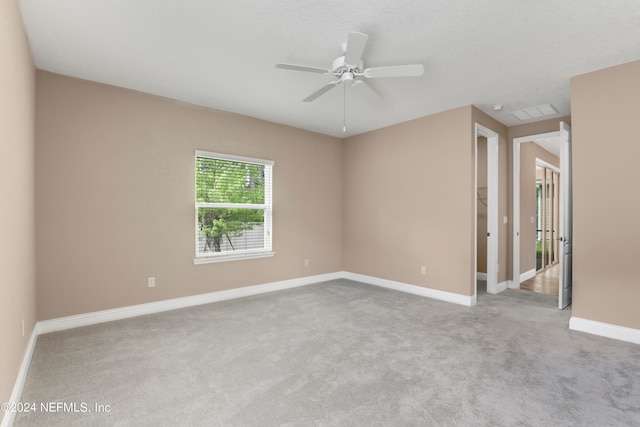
(233, 207)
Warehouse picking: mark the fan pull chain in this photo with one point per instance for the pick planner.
(344, 108)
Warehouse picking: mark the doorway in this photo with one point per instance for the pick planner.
(557, 245)
(487, 197)
(545, 227)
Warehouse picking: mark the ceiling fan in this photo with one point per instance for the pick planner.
(349, 67)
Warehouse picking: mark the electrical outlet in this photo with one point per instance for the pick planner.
(306, 262)
(423, 270)
(151, 282)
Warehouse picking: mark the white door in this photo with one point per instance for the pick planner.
(566, 218)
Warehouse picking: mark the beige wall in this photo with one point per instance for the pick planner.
(409, 201)
(115, 191)
(529, 152)
(605, 112)
(114, 184)
(17, 244)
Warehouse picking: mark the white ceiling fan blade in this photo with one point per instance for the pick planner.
(414, 70)
(355, 48)
(302, 68)
(367, 90)
(324, 89)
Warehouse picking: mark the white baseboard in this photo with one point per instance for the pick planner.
(76, 321)
(16, 394)
(608, 330)
(527, 275)
(93, 318)
(499, 287)
(481, 276)
(412, 289)
(512, 285)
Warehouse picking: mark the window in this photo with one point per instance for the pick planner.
(233, 207)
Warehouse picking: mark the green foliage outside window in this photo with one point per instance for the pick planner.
(228, 182)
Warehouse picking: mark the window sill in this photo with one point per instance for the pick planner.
(232, 257)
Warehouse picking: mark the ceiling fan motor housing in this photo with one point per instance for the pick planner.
(342, 70)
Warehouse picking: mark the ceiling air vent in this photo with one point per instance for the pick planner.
(535, 112)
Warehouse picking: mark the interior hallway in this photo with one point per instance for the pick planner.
(546, 281)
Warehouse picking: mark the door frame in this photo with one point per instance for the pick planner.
(515, 262)
(565, 284)
(492, 211)
(517, 276)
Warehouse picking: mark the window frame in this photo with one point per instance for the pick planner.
(267, 206)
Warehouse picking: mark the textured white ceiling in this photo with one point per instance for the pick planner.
(221, 54)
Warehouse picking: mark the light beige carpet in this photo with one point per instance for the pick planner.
(339, 353)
